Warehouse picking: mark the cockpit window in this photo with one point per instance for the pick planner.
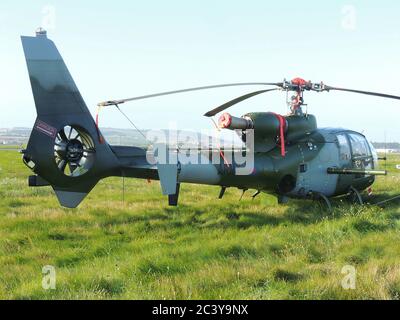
(344, 147)
(359, 146)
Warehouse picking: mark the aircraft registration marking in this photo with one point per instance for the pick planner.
(45, 128)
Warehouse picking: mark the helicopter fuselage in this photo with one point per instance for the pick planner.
(288, 156)
(303, 171)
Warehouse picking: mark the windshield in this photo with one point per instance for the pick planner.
(359, 146)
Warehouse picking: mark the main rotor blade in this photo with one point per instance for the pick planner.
(377, 94)
(231, 103)
(115, 102)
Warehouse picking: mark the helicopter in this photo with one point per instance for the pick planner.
(291, 156)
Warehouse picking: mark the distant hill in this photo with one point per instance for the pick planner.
(128, 137)
(18, 136)
(14, 136)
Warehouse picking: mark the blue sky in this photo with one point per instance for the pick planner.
(121, 49)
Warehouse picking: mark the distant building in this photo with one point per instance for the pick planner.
(387, 147)
(388, 150)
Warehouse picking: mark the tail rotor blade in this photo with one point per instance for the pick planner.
(62, 164)
(231, 103)
(63, 135)
(61, 149)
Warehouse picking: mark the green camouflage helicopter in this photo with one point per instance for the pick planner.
(290, 156)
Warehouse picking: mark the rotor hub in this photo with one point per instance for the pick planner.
(74, 150)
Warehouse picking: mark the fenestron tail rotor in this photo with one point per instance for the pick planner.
(73, 151)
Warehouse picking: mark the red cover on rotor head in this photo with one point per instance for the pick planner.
(299, 81)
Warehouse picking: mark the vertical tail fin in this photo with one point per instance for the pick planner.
(64, 148)
(53, 88)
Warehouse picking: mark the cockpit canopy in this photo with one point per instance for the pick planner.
(355, 147)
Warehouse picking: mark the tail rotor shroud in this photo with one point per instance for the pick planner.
(74, 151)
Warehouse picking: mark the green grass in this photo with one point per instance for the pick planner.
(6, 147)
(204, 249)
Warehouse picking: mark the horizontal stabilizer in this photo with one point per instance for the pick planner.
(37, 181)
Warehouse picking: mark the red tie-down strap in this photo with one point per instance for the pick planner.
(101, 140)
(227, 119)
(282, 128)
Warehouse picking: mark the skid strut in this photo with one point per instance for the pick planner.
(355, 196)
(323, 198)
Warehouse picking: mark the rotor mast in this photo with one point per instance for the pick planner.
(298, 86)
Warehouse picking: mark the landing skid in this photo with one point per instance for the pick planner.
(255, 194)
(385, 202)
(322, 198)
(315, 196)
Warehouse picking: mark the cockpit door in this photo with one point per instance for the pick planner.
(344, 151)
(362, 158)
(345, 160)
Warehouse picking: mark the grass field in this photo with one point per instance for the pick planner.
(204, 249)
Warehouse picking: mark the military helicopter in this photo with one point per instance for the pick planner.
(292, 157)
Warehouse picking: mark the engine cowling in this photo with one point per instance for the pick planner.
(267, 127)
